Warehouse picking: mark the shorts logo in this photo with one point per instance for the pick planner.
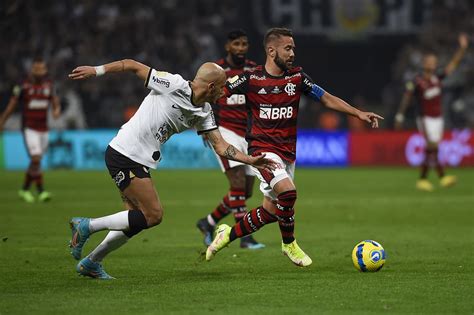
(290, 89)
(119, 177)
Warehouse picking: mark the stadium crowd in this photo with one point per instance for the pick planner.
(67, 33)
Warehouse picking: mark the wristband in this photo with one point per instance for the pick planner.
(99, 70)
(399, 117)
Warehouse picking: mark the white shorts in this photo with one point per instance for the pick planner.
(431, 127)
(268, 179)
(36, 141)
(239, 143)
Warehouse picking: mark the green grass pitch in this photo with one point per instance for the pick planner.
(428, 237)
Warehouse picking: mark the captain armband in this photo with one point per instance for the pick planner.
(316, 92)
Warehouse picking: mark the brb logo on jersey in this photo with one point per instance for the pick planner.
(267, 111)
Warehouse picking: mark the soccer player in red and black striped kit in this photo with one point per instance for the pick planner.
(35, 94)
(426, 88)
(273, 92)
(231, 117)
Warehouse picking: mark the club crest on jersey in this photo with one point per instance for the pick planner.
(290, 89)
(267, 111)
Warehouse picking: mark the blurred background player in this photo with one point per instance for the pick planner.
(231, 117)
(35, 94)
(273, 93)
(427, 88)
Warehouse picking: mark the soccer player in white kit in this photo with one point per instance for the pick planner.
(172, 106)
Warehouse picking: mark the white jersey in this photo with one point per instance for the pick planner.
(166, 110)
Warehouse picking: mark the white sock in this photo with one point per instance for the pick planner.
(210, 220)
(111, 242)
(113, 222)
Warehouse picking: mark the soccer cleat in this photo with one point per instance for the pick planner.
(80, 235)
(220, 241)
(88, 268)
(44, 196)
(448, 181)
(26, 196)
(249, 242)
(424, 184)
(296, 254)
(206, 229)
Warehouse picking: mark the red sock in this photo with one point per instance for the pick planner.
(439, 168)
(425, 166)
(251, 222)
(237, 203)
(286, 215)
(220, 212)
(39, 182)
(27, 182)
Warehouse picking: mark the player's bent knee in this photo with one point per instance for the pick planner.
(154, 216)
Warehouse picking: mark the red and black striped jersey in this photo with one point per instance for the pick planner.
(35, 98)
(272, 104)
(427, 93)
(230, 112)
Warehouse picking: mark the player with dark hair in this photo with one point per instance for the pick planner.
(427, 87)
(35, 94)
(273, 92)
(172, 106)
(231, 117)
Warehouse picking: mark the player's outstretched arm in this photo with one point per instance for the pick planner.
(12, 103)
(458, 55)
(84, 72)
(340, 105)
(228, 151)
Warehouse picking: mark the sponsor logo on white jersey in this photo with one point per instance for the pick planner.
(290, 89)
(161, 81)
(262, 91)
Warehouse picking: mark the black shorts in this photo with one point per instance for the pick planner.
(122, 169)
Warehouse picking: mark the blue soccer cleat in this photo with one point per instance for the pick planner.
(206, 229)
(80, 235)
(249, 242)
(88, 268)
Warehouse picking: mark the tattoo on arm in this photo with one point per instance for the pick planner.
(230, 152)
(212, 138)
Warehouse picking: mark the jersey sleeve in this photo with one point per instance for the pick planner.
(311, 89)
(207, 123)
(237, 84)
(163, 82)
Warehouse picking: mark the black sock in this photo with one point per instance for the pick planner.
(136, 223)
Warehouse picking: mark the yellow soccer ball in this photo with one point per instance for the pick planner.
(368, 255)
